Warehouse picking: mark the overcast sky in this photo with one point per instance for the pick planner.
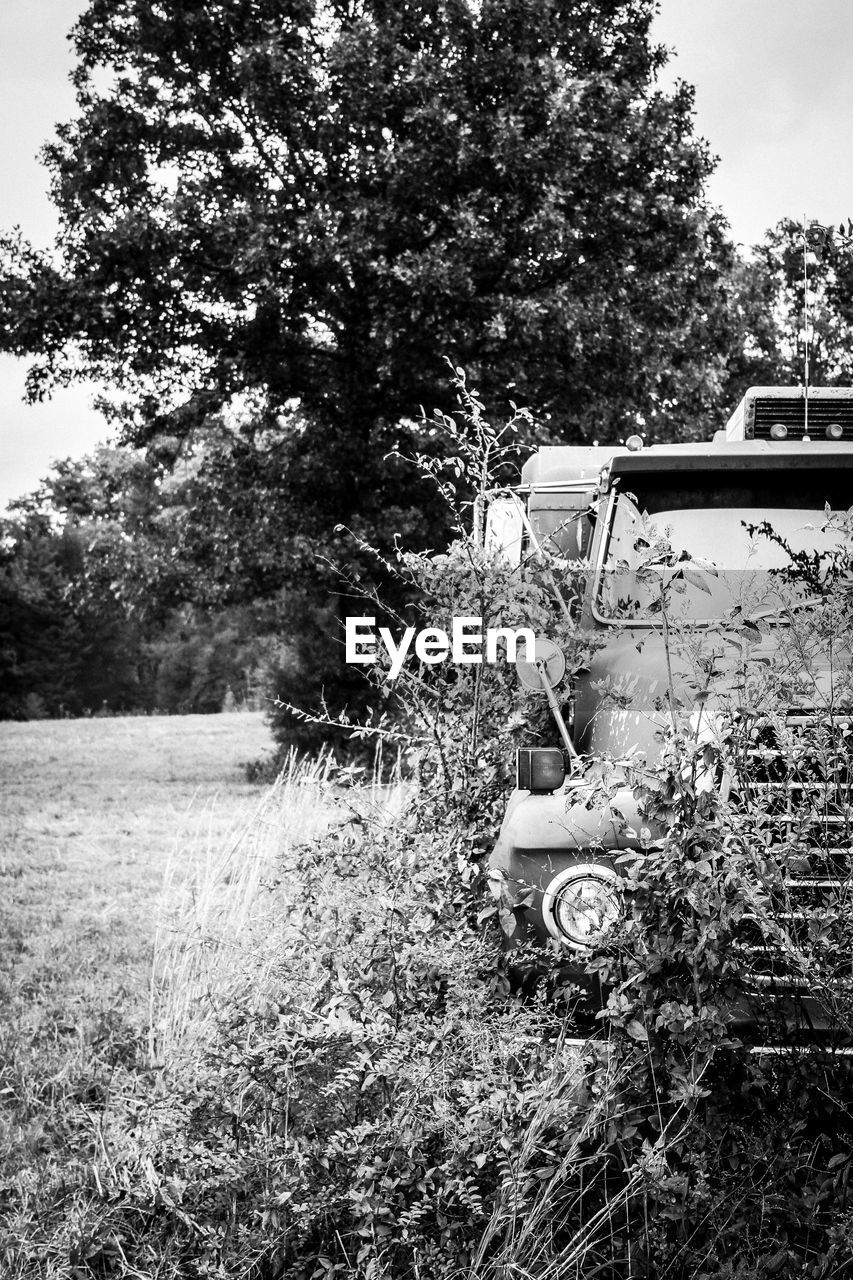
(774, 98)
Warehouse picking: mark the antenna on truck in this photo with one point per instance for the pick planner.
(806, 321)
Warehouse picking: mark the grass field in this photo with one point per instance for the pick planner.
(92, 813)
(95, 816)
(141, 895)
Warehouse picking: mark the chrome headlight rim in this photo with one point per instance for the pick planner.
(596, 871)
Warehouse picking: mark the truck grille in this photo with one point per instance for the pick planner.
(792, 412)
(794, 785)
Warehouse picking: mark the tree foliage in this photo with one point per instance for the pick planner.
(95, 611)
(320, 200)
(278, 218)
(799, 280)
(311, 205)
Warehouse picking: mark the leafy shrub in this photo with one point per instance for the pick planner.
(369, 1113)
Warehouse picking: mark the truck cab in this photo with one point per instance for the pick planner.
(783, 462)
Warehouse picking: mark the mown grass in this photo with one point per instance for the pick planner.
(96, 817)
(93, 812)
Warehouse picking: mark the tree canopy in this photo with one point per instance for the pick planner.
(280, 218)
(321, 201)
(99, 607)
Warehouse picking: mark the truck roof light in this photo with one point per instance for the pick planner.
(634, 443)
(778, 431)
(834, 431)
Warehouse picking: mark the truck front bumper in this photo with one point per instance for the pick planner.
(545, 838)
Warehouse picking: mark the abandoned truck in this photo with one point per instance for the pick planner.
(785, 458)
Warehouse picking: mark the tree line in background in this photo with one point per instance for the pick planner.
(278, 220)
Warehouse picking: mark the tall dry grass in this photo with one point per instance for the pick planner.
(215, 935)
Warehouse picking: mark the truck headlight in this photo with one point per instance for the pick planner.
(582, 903)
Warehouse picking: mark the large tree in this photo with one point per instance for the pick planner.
(298, 209)
(322, 200)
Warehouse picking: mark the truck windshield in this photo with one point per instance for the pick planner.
(709, 523)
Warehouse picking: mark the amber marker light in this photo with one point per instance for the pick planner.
(778, 431)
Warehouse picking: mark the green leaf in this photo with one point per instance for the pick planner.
(696, 579)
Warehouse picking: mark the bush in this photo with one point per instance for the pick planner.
(366, 1114)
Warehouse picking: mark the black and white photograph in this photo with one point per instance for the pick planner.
(426, 640)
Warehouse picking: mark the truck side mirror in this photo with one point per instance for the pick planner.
(544, 672)
(546, 653)
(505, 529)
